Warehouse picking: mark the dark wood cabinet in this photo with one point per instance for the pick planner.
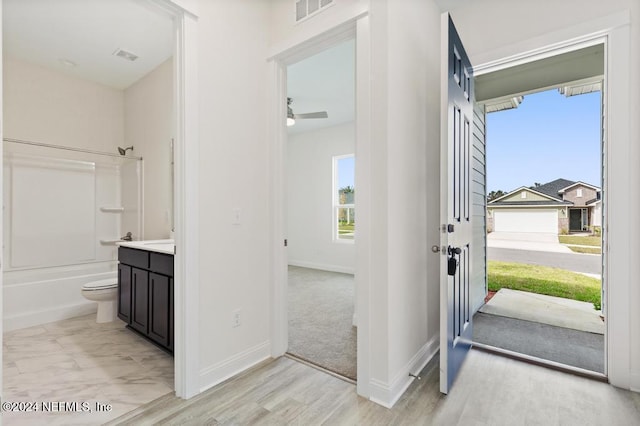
(145, 294)
(159, 312)
(140, 300)
(124, 293)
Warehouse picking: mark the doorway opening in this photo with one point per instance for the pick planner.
(545, 215)
(321, 209)
(81, 113)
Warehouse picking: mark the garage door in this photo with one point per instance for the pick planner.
(539, 220)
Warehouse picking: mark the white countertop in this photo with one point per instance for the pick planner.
(160, 246)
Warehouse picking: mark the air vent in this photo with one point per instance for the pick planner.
(125, 55)
(306, 8)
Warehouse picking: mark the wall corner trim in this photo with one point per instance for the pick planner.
(218, 373)
(388, 394)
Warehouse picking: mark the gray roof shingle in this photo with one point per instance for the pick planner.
(553, 188)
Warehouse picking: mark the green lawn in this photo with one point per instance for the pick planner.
(582, 241)
(543, 280)
(343, 228)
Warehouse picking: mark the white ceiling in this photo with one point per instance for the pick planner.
(324, 82)
(87, 32)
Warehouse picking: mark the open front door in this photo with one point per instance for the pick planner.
(455, 188)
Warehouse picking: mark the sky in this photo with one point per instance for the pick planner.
(346, 172)
(549, 136)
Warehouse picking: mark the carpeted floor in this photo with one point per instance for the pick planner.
(571, 347)
(321, 306)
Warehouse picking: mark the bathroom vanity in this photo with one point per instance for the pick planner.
(145, 289)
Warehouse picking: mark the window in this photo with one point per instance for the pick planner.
(579, 193)
(344, 213)
(523, 194)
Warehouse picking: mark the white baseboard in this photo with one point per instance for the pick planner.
(29, 319)
(387, 394)
(322, 266)
(218, 373)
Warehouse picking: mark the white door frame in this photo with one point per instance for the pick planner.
(357, 28)
(185, 209)
(613, 32)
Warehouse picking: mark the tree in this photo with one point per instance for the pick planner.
(535, 185)
(495, 194)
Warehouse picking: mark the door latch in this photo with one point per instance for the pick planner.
(452, 262)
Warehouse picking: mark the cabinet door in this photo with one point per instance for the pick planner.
(124, 293)
(140, 300)
(159, 318)
(171, 318)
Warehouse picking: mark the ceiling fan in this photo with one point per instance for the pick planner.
(291, 117)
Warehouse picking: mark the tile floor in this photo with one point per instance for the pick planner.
(78, 360)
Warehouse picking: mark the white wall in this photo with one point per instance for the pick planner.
(634, 158)
(51, 107)
(233, 174)
(148, 124)
(406, 145)
(309, 199)
(554, 21)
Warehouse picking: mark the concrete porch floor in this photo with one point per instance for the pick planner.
(550, 328)
(544, 309)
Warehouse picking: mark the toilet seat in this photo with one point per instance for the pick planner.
(101, 284)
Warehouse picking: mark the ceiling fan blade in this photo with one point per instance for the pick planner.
(320, 114)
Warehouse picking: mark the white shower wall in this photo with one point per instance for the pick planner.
(52, 107)
(61, 217)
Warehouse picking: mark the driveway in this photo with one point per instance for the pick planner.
(531, 241)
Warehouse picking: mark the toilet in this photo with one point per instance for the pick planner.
(105, 292)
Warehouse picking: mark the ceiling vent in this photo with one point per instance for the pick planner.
(125, 55)
(306, 8)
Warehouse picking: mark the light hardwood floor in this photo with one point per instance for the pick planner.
(490, 390)
(77, 360)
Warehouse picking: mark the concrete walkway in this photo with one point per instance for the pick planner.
(545, 309)
(526, 241)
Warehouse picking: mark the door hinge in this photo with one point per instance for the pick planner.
(285, 242)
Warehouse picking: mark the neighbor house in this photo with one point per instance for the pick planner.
(560, 206)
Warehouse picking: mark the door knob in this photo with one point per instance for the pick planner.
(435, 248)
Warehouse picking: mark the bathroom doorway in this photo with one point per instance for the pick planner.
(87, 96)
